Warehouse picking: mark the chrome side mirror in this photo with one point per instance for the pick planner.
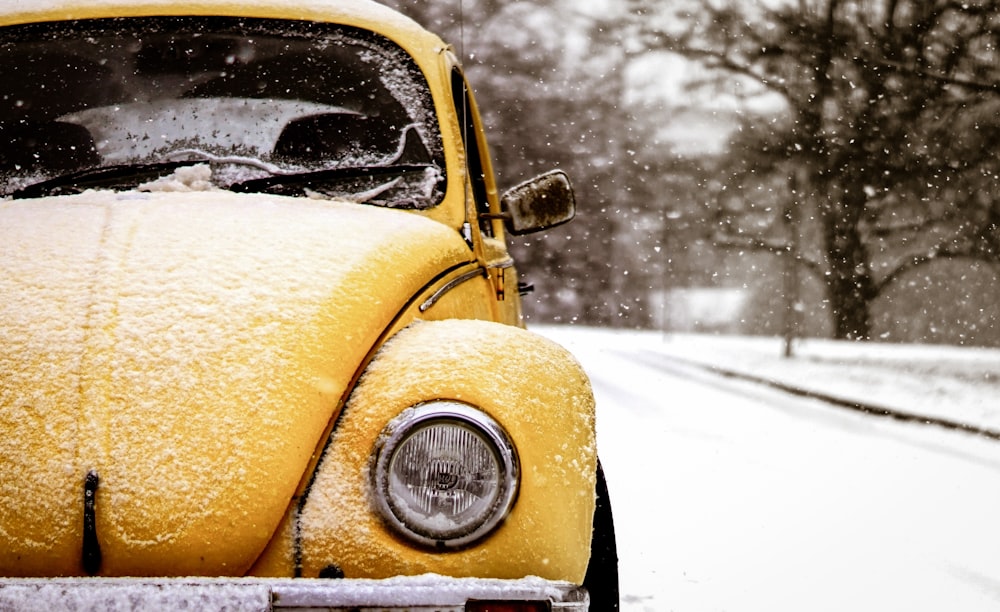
(538, 204)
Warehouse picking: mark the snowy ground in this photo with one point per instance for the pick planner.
(732, 496)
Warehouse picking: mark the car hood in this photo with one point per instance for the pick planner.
(189, 349)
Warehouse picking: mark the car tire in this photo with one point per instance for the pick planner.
(601, 580)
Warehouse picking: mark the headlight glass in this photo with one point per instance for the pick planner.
(445, 474)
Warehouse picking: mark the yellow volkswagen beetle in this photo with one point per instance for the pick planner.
(260, 335)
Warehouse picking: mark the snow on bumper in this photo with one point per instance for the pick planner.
(428, 592)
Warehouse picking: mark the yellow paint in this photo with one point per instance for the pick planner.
(193, 348)
(194, 368)
(504, 278)
(538, 394)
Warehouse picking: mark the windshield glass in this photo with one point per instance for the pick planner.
(255, 98)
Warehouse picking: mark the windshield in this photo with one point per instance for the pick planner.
(254, 99)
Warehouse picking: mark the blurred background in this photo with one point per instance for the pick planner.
(806, 168)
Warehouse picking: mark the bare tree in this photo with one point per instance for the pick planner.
(889, 112)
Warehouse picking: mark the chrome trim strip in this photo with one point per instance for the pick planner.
(400, 593)
(449, 286)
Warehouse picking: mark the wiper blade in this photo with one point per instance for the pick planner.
(278, 181)
(198, 155)
(314, 179)
(76, 182)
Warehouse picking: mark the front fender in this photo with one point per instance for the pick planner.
(532, 387)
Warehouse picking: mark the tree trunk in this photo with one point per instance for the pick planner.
(850, 288)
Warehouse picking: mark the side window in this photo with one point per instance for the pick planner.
(477, 176)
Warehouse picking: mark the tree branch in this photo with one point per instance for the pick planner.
(938, 253)
(775, 248)
(717, 60)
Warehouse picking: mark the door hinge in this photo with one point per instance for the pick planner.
(499, 282)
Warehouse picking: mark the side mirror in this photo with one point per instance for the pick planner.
(538, 204)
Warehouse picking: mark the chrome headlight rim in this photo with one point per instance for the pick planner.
(412, 421)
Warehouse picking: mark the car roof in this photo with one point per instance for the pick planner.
(365, 14)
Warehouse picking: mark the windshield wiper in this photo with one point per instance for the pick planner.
(76, 182)
(288, 182)
(135, 174)
(278, 180)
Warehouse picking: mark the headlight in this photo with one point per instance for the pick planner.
(445, 474)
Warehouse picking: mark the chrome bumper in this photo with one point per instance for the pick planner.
(417, 593)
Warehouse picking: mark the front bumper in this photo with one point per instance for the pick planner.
(425, 593)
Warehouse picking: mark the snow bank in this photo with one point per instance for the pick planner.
(949, 382)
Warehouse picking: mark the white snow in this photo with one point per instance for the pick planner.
(185, 178)
(107, 297)
(732, 496)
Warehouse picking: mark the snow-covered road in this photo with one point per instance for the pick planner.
(735, 497)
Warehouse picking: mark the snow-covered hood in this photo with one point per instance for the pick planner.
(190, 350)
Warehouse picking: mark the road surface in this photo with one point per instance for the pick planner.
(729, 496)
